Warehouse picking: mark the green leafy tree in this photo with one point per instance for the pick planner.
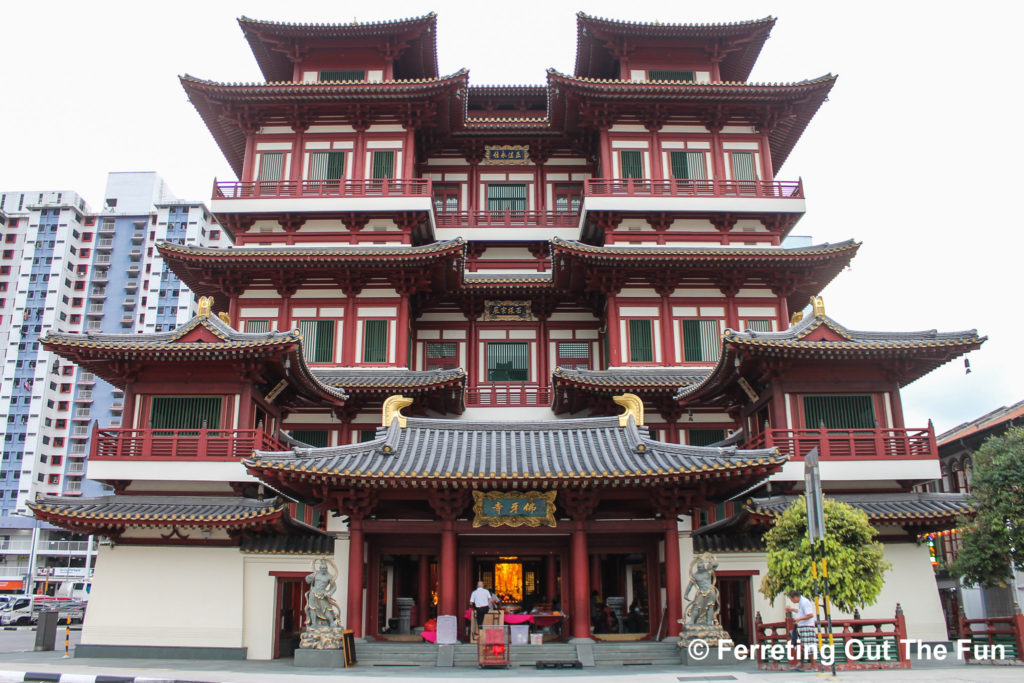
(856, 564)
(993, 539)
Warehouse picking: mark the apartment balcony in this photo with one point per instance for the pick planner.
(540, 225)
(138, 237)
(105, 245)
(45, 547)
(735, 196)
(502, 395)
(263, 196)
(851, 444)
(179, 444)
(75, 468)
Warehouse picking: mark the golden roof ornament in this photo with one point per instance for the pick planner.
(796, 317)
(225, 317)
(393, 409)
(634, 406)
(817, 306)
(205, 306)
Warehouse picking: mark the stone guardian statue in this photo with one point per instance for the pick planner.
(701, 619)
(323, 616)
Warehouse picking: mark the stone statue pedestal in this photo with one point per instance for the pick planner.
(710, 655)
(320, 659)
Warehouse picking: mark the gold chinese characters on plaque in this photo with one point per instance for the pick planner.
(508, 310)
(514, 508)
(495, 155)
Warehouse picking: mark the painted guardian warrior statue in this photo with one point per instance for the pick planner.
(701, 619)
(323, 617)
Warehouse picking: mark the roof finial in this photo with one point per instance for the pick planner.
(634, 406)
(205, 306)
(796, 317)
(393, 409)
(224, 317)
(817, 306)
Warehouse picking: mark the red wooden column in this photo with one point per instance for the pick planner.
(552, 577)
(447, 600)
(355, 504)
(579, 505)
(355, 577)
(447, 504)
(613, 332)
(423, 598)
(673, 578)
(670, 501)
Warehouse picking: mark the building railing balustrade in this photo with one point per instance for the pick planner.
(495, 395)
(271, 189)
(507, 218)
(172, 444)
(838, 444)
(674, 187)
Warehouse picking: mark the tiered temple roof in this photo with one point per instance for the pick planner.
(820, 338)
(735, 44)
(574, 454)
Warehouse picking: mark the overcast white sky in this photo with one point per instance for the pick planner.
(917, 153)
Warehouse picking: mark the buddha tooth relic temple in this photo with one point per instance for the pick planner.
(552, 337)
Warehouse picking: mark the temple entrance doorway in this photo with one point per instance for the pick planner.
(406, 593)
(289, 614)
(735, 612)
(621, 605)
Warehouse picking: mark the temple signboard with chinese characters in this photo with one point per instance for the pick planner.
(513, 508)
(508, 310)
(506, 154)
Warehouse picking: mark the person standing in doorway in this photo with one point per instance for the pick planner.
(481, 600)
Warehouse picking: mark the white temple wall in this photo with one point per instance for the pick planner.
(138, 597)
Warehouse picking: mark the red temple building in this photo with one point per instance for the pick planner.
(549, 337)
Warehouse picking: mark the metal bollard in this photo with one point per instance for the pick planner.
(67, 639)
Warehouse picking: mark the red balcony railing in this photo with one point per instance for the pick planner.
(509, 395)
(836, 444)
(994, 640)
(644, 187)
(271, 189)
(507, 219)
(174, 444)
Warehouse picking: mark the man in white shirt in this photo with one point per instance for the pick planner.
(481, 601)
(806, 626)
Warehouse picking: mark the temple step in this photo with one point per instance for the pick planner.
(639, 653)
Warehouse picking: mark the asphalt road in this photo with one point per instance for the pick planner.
(23, 639)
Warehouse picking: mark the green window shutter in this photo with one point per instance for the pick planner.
(641, 341)
(324, 341)
(508, 361)
(669, 75)
(375, 341)
(271, 165)
(704, 437)
(257, 326)
(700, 341)
(317, 340)
(367, 435)
(688, 166)
(383, 164)
(342, 75)
(631, 163)
(185, 412)
(759, 325)
(317, 438)
(506, 196)
(326, 165)
(743, 166)
(839, 412)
